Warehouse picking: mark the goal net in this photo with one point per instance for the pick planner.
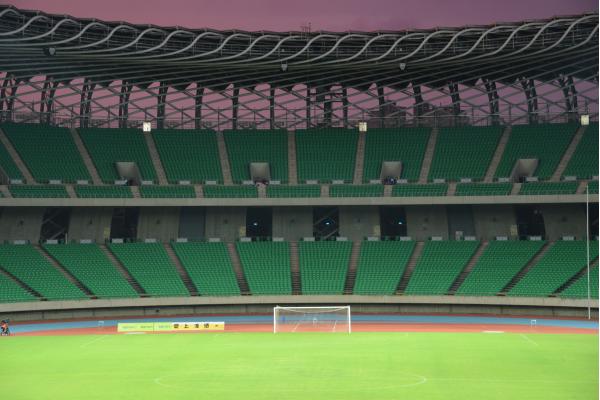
(312, 319)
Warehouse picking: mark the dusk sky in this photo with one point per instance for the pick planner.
(335, 15)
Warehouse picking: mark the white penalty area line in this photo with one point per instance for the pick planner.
(94, 340)
(533, 342)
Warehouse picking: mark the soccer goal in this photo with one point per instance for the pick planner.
(312, 319)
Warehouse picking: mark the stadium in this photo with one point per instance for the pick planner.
(281, 215)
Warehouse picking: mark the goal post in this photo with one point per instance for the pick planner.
(312, 319)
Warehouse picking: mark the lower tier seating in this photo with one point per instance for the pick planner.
(244, 191)
(579, 288)
(108, 191)
(483, 189)
(294, 191)
(323, 266)
(11, 291)
(266, 267)
(38, 191)
(413, 190)
(545, 188)
(169, 192)
(356, 190)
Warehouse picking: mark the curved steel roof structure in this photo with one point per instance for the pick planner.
(78, 71)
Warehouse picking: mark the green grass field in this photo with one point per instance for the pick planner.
(301, 366)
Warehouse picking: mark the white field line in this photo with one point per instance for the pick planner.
(533, 342)
(94, 340)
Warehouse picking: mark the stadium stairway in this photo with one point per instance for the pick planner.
(387, 190)
(534, 260)
(64, 271)
(71, 191)
(410, 266)
(359, 161)
(224, 159)
(352, 267)
(295, 268)
(467, 269)
(564, 161)
(516, 188)
(428, 156)
(451, 189)
(119, 266)
(4, 192)
(491, 171)
(581, 187)
(183, 274)
(16, 158)
(292, 162)
(135, 192)
(85, 156)
(237, 268)
(324, 190)
(575, 278)
(199, 191)
(19, 282)
(155, 158)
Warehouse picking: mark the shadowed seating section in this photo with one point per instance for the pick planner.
(169, 192)
(8, 165)
(356, 190)
(109, 191)
(252, 145)
(326, 154)
(380, 266)
(584, 162)
(546, 142)
(243, 191)
(323, 266)
(151, 267)
(386, 144)
(498, 264)
(48, 151)
(439, 265)
(579, 288)
(189, 155)
(593, 187)
(483, 189)
(562, 261)
(11, 291)
(266, 267)
(108, 146)
(38, 191)
(209, 267)
(541, 188)
(90, 266)
(30, 267)
(414, 190)
(464, 152)
(293, 191)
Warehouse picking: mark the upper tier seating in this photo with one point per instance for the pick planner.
(483, 189)
(381, 266)
(31, 268)
(546, 142)
(356, 190)
(49, 152)
(439, 265)
(247, 146)
(8, 165)
(406, 145)
(293, 191)
(108, 191)
(593, 187)
(584, 162)
(90, 266)
(464, 152)
(108, 146)
(326, 154)
(498, 264)
(243, 191)
(38, 191)
(150, 266)
(266, 267)
(562, 261)
(209, 267)
(414, 190)
(188, 155)
(169, 192)
(546, 188)
(323, 266)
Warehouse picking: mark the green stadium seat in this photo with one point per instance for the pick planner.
(293, 191)
(38, 191)
(356, 190)
(584, 162)
(593, 187)
(403, 144)
(414, 190)
(326, 154)
(546, 188)
(238, 191)
(8, 165)
(12, 292)
(579, 288)
(169, 192)
(189, 155)
(483, 189)
(266, 267)
(323, 266)
(109, 191)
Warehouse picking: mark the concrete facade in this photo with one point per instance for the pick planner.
(494, 220)
(564, 220)
(358, 222)
(423, 222)
(21, 223)
(90, 223)
(227, 223)
(292, 223)
(160, 223)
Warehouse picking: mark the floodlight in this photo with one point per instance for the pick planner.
(284, 67)
(146, 126)
(362, 126)
(402, 66)
(585, 119)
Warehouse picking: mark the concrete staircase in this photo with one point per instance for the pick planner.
(410, 266)
(199, 191)
(64, 271)
(451, 189)
(5, 192)
(135, 192)
(183, 274)
(574, 278)
(237, 268)
(20, 283)
(564, 161)
(352, 267)
(295, 268)
(156, 162)
(497, 157)
(516, 188)
(534, 260)
(85, 156)
(324, 190)
(16, 158)
(387, 190)
(121, 268)
(71, 191)
(262, 191)
(360, 158)
(224, 159)
(292, 163)
(428, 156)
(581, 187)
(468, 268)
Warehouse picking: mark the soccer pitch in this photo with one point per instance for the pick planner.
(301, 366)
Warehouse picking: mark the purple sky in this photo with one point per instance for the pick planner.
(335, 15)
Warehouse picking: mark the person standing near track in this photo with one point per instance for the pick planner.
(4, 329)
